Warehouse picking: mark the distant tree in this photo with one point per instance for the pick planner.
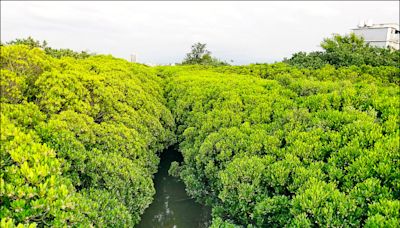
(349, 50)
(310, 60)
(32, 43)
(56, 53)
(199, 55)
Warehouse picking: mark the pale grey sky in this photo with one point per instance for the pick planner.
(162, 32)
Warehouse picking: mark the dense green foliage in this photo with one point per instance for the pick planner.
(79, 138)
(266, 145)
(275, 146)
(347, 50)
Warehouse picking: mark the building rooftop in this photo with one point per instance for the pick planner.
(383, 25)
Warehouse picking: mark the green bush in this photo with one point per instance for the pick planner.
(80, 138)
(277, 146)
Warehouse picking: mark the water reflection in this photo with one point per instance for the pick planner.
(172, 207)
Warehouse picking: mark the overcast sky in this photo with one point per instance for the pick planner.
(162, 32)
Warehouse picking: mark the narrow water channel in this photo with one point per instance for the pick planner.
(172, 207)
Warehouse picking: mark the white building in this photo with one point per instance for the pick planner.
(380, 35)
(133, 58)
